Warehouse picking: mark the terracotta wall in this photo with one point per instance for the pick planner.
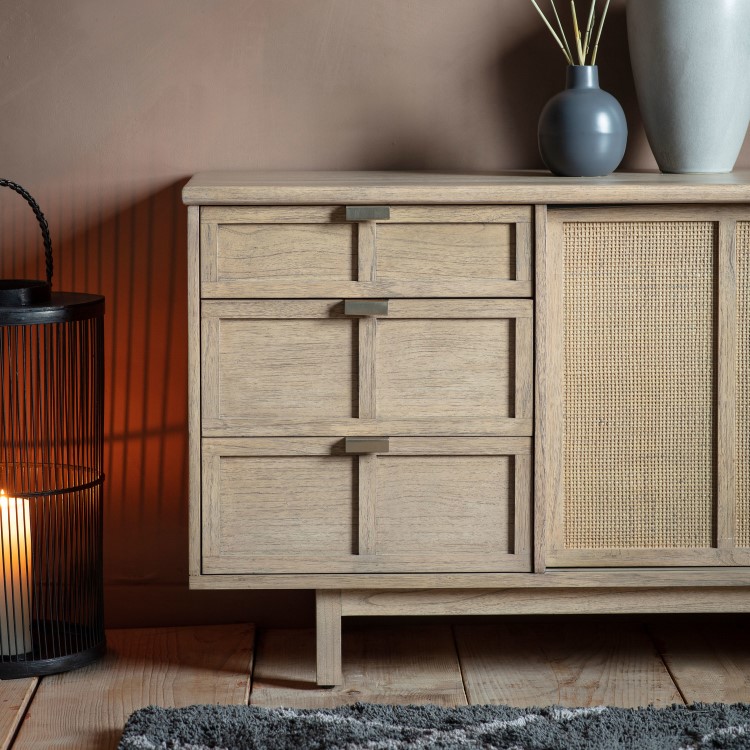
(107, 107)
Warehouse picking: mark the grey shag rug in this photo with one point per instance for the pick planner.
(374, 727)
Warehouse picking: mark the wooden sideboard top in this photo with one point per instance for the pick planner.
(282, 187)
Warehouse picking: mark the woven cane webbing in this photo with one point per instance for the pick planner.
(638, 362)
(743, 384)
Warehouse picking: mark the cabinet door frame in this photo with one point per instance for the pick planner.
(550, 396)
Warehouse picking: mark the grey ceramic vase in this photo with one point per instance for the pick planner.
(582, 130)
(691, 65)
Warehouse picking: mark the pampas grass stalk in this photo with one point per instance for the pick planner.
(599, 33)
(552, 31)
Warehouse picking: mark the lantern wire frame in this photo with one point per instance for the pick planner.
(51, 481)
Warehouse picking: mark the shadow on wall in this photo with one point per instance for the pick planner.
(533, 71)
(135, 256)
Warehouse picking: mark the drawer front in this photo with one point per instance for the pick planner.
(304, 505)
(419, 251)
(424, 367)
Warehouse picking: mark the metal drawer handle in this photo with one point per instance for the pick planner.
(368, 213)
(366, 445)
(366, 307)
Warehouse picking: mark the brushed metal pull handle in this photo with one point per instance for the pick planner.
(366, 307)
(368, 213)
(366, 445)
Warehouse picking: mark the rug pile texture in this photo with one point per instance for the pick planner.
(365, 726)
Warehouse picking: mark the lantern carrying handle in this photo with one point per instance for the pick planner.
(42, 223)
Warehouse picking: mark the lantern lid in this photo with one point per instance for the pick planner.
(23, 292)
(59, 307)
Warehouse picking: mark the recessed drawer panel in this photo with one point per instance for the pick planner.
(286, 252)
(418, 251)
(413, 367)
(444, 505)
(294, 369)
(440, 368)
(303, 505)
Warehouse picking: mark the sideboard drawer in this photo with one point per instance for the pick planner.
(424, 367)
(419, 251)
(304, 505)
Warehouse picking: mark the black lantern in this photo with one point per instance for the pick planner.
(51, 461)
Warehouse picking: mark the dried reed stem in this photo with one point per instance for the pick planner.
(577, 31)
(599, 33)
(562, 31)
(589, 29)
(552, 31)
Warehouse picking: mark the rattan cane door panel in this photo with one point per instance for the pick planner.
(638, 360)
(743, 384)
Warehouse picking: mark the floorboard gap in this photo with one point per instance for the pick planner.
(671, 674)
(22, 711)
(460, 665)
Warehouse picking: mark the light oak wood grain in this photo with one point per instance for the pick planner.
(657, 213)
(293, 309)
(380, 665)
(709, 661)
(238, 187)
(368, 368)
(574, 578)
(281, 507)
(367, 250)
(357, 289)
(542, 601)
(437, 506)
(525, 249)
(194, 389)
(367, 501)
(523, 532)
(742, 384)
(586, 558)
(726, 388)
(291, 367)
(283, 251)
(281, 369)
(567, 664)
(401, 446)
(445, 368)
(87, 709)
(446, 251)
(277, 252)
(399, 214)
(328, 638)
(421, 507)
(548, 459)
(15, 698)
(447, 376)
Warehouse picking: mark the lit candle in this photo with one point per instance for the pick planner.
(15, 600)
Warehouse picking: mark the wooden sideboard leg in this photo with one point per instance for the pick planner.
(328, 637)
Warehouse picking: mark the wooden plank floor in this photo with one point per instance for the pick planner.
(523, 662)
(381, 665)
(87, 708)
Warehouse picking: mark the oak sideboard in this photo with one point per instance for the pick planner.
(429, 393)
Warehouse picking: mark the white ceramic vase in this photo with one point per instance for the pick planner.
(691, 64)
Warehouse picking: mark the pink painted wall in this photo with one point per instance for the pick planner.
(107, 107)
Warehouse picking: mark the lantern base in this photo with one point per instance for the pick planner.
(12, 668)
